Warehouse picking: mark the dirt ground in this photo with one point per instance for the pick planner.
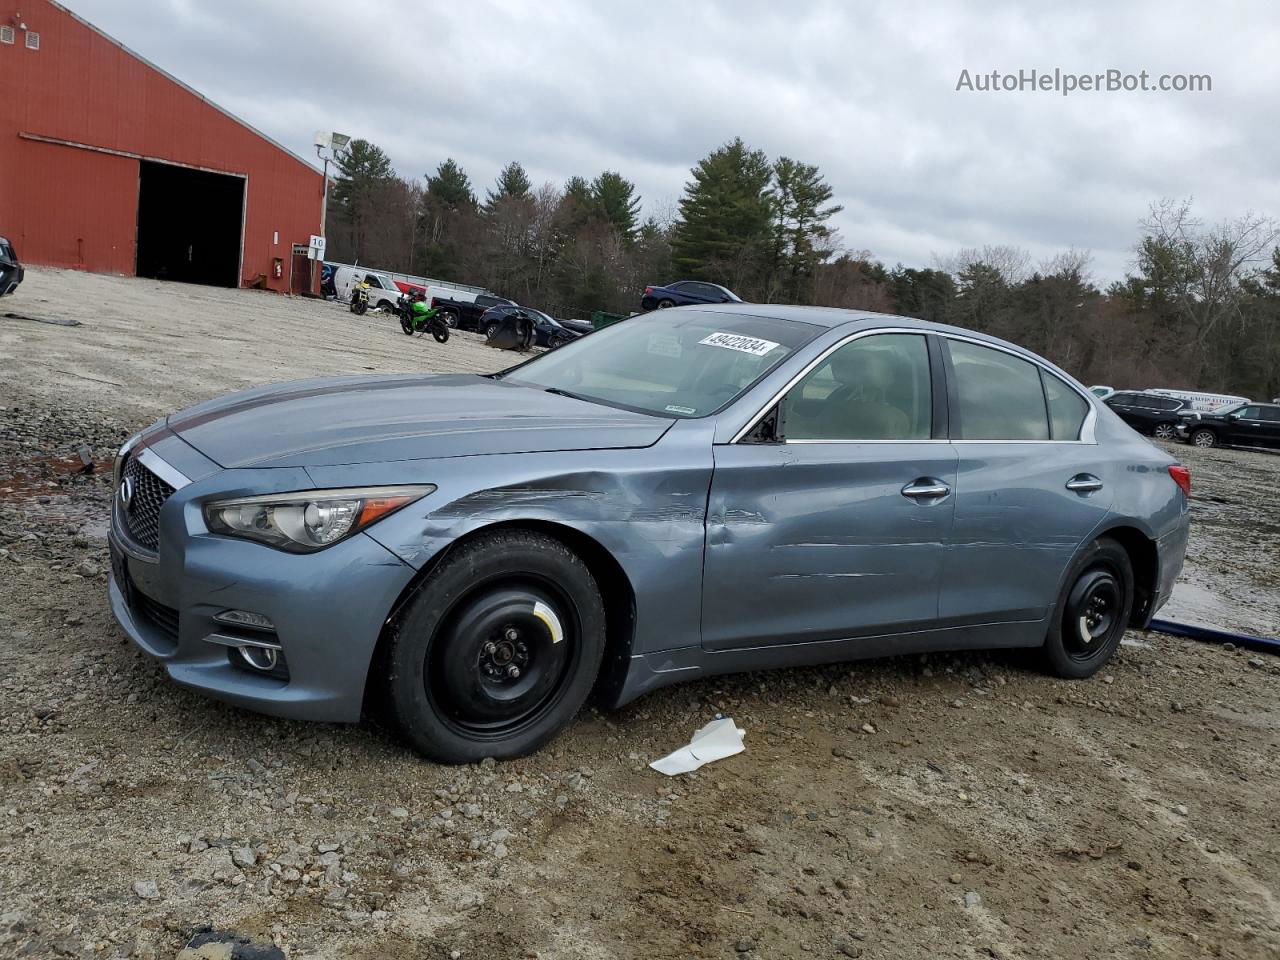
(927, 806)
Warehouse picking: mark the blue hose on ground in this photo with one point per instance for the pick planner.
(1210, 635)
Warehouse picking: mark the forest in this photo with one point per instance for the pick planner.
(1200, 309)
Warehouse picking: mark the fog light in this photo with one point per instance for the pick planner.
(243, 618)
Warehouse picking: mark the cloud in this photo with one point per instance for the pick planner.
(866, 91)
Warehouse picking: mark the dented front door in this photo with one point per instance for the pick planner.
(822, 541)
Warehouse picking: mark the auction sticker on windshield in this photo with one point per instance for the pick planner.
(736, 341)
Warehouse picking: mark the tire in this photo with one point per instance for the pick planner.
(1204, 438)
(1092, 611)
(407, 326)
(385, 306)
(558, 342)
(452, 692)
(490, 330)
(1164, 431)
(664, 304)
(441, 332)
(449, 317)
(359, 307)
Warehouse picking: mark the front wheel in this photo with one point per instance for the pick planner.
(407, 326)
(497, 650)
(1204, 438)
(359, 307)
(665, 304)
(1165, 431)
(1092, 612)
(490, 330)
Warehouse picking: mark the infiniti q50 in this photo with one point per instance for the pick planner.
(697, 491)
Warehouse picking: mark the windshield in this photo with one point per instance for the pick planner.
(673, 363)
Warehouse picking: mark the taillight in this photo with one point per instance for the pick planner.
(648, 289)
(1182, 477)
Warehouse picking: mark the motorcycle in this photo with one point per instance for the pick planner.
(359, 298)
(416, 317)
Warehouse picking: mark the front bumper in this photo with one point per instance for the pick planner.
(328, 608)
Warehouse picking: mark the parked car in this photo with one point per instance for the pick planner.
(581, 327)
(465, 314)
(548, 332)
(1243, 425)
(685, 292)
(11, 272)
(710, 491)
(1148, 413)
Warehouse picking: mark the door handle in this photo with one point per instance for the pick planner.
(926, 488)
(1084, 483)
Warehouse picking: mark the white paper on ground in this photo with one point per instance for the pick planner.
(718, 739)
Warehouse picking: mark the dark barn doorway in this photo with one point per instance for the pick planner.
(189, 224)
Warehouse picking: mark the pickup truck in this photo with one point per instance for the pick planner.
(466, 314)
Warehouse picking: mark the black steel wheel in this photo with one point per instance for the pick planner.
(497, 650)
(1092, 612)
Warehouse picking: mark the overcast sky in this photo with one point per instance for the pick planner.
(865, 90)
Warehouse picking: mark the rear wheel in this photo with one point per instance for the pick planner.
(449, 317)
(1204, 438)
(1092, 613)
(441, 332)
(1165, 431)
(497, 650)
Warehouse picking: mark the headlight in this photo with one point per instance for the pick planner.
(311, 519)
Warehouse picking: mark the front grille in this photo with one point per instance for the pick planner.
(166, 618)
(142, 515)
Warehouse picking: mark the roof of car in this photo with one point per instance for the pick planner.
(821, 316)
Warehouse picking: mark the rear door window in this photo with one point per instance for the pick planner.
(1067, 409)
(998, 396)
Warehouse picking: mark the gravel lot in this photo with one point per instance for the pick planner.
(941, 806)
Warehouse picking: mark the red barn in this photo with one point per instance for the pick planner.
(109, 164)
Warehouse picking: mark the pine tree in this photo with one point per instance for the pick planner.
(513, 184)
(364, 173)
(800, 226)
(725, 223)
(615, 202)
(449, 187)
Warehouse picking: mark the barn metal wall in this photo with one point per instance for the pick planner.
(69, 206)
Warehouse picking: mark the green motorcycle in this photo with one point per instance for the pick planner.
(416, 317)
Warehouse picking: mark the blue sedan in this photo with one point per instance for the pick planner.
(685, 293)
(717, 489)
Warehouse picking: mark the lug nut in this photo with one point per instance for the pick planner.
(513, 634)
(513, 671)
(491, 648)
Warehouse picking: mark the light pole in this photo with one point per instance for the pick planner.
(336, 143)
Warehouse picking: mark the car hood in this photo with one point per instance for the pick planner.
(369, 419)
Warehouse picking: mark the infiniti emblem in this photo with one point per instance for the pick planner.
(126, 493)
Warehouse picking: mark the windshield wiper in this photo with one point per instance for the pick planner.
(565, 393)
